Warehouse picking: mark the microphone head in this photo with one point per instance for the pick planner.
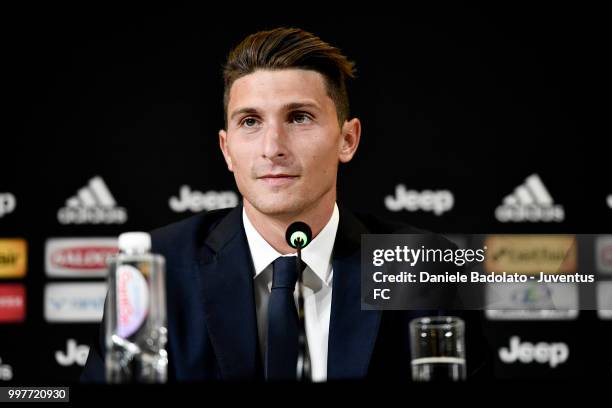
(298, 234)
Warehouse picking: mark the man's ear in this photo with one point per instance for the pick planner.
(224, 149)
(351, 134)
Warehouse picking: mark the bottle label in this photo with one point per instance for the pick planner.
(132, 300)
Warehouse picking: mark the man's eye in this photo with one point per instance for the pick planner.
(301, 118)
(249, 122)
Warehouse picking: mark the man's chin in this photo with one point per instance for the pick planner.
(280, 209)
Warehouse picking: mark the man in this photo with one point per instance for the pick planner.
(287, 129)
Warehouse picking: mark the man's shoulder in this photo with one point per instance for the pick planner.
(188, 233)
(376, 224)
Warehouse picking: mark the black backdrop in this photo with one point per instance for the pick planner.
(469, 100)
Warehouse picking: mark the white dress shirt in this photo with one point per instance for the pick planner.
(317, 288)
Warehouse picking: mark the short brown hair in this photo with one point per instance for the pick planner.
(285, 48)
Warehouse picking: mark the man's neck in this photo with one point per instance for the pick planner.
(273, 227)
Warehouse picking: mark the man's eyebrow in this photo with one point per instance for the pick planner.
(287, 107)
(299, 105)
(242, 111)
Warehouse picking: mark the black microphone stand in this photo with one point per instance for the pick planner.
(303, 367)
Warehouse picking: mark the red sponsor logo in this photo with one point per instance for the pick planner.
(83, 258)
(12, 303)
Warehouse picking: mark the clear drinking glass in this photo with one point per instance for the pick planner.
(438, 348)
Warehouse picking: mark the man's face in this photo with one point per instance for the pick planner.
(283, 140)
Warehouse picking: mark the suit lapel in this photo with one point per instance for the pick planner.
(352, 331)
(225, 274)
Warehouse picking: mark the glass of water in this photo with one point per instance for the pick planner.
(438, 348)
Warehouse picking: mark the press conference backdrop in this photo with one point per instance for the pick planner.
(474, 121)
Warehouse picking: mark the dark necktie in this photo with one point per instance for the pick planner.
(283, 323)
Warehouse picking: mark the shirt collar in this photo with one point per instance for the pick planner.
(317, 255)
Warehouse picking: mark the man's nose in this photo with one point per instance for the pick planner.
(274, 142)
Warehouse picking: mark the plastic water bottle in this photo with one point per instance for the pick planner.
(136, 330)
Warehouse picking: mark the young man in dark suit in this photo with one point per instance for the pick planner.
(287, 130)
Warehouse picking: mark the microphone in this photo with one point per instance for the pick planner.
(298, 236)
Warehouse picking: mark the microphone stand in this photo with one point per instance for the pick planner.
(303, 367)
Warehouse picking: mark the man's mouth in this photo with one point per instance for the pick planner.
(278, 179)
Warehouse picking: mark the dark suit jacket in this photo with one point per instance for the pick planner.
(212, 327)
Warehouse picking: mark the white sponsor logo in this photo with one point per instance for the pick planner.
(197, 201)
(610, 201)
(93, 204)
(603, 250)
(81, 257)
(437, 202)
(541, 353)
(75, 353)
(74, 302)
(6, 372)
(8, 202)
(11, 302)
(604, 300)
(530, 202)
(531, 301)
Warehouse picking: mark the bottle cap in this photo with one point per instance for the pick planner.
(134, 242)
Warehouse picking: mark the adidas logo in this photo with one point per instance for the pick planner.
(93, 204)
(530, 202)
(197, 201)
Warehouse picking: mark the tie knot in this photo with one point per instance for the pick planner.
(284, 273)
